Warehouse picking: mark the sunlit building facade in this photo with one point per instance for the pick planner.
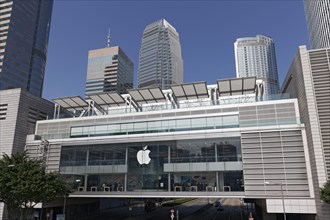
(308, 80)
(160, 61)
(318, 22)
(109, 70)
(192, 140)
(255, 56)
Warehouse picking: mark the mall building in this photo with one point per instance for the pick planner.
(193, 140)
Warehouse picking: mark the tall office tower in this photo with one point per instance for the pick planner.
(318, 22)
(308, 80)
(109, 70)
(160, 63)
(24, 33)
(255, 56)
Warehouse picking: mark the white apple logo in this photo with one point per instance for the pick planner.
(143, 156)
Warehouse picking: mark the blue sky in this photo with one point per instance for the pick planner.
(207, 29)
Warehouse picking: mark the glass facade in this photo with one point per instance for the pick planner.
(197, 118)
(25, 32)
(318, 23)
(255, 56)
(182, 165)
(175, 125)
(109, 70)
(160, 61)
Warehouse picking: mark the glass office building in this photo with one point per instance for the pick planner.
(255, 56)
(24, 33)
(109, 70)
(160, 61)
(192, 140)
(318, 22)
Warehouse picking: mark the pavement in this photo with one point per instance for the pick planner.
(186, 209)
(197, 209)
(231, 211)
(137, 212)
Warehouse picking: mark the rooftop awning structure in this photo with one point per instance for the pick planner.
(105, 100)
(239, 86)
(190, 91)
(147, 95)
(72, 103)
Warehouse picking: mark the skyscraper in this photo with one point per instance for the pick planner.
(24, 32)
(109, 70)
(318, 22)
(255, 56)
(160, 63)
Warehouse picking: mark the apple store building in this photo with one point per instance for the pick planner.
(226, 140)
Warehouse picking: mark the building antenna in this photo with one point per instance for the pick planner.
(108, 38)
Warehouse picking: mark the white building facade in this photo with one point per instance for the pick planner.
(255, 56)
(192, 140)
(308, 80)
(317, 14)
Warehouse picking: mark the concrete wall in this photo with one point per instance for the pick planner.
(275, 156)
(308, 79)
(19, 111)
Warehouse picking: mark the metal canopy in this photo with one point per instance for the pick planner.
(239, 86)
(147, 95)
(72, 103)
(190, 91)
(108, 99)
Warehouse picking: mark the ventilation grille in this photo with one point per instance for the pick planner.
(276, 157)
(320, 65)
(35, 115)
(3, 111)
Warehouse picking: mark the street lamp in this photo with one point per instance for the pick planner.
(279, 184)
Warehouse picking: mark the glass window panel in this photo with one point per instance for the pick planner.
(85, 130)
(230, 121)
(210, 122)
(198, 122)
(183, 124)
(165, 125)
(91, 130)
(76, 131)
(102, 129)
(218, 122)
(73, 156)
(140, 126)
(115, 128)
(119, 155)
(159, 126)
(154, 126)
(123, 128)
(171, 125)
(130, 127)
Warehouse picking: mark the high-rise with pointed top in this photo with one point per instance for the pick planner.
(109, 70)
(24, 32)
(160, 62)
